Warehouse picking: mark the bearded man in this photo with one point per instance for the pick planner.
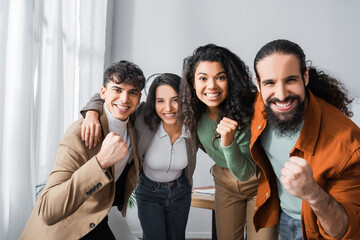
(307, 148)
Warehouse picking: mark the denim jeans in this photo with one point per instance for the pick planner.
(163, 208)
(290, 228)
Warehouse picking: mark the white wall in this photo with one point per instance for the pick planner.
(355, 108)
(158, 34)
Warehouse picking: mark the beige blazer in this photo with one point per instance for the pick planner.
(78, 194)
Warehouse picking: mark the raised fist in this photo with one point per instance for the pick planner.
(113, 150)
(227, 129)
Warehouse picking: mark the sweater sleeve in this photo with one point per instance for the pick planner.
(238, 157)
(95, 104)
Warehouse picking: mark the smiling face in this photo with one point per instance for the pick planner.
(282, 90)
(211, 84)
(121, 100)
(166, 104)
(281, 85)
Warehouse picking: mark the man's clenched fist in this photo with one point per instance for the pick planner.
(113, 150)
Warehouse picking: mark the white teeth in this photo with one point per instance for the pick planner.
(122, 107)
(169, 114)
(282, 105)
(211, 95)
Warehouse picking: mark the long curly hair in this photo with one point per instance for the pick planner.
(238, 105)
(320, 84)
(151, 118)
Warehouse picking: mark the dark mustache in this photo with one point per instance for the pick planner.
(274, 99)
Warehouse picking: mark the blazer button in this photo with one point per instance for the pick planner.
(259, 127)
(92, 225)
(267, 194)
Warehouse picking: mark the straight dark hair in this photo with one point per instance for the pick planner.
(151, 118)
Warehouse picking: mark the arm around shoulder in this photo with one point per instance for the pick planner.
(95, 104)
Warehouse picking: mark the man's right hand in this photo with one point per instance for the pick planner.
(113, 150)
(91, 129)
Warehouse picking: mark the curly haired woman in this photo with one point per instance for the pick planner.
(216, 101)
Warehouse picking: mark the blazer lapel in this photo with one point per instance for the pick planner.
(132, 133)
(105, 132)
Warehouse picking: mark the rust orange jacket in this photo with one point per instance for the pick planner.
(330, 142)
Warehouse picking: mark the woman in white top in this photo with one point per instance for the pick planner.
(168, 155)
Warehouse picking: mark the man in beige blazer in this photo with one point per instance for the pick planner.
(86, 183)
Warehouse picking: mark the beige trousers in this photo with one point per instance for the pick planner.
(235, 205)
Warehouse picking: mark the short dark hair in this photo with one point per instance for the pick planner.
(151, 118)
(320, 84)
(125, 72)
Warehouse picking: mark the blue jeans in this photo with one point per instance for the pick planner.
(163, 208)
(289, 228)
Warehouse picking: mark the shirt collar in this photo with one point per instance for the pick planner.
(309, 132)
(162, 132)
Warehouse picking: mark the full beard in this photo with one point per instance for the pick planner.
(290, 126)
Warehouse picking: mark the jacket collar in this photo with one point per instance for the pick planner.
(259, 119)
(131, 131)
(104, 124)
(310, 130)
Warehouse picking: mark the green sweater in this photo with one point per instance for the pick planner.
(236, 157)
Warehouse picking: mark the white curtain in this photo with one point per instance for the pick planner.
(51, 62)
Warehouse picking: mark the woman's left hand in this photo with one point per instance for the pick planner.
(227, 129)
